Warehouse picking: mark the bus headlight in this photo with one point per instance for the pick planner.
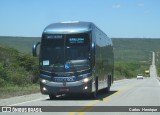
(85, 80)
(43, 81)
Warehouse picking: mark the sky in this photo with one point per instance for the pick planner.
(117, 18)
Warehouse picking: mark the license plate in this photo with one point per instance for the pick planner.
(64, 89)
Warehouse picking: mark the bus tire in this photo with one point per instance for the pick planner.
(52, 96)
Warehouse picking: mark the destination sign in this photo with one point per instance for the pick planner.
(76, 40)
(54, 36)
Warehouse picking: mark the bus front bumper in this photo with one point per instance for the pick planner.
(56, 88)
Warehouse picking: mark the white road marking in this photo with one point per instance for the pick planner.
(27, 101)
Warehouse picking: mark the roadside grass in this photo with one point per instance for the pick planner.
(14, 90)
(158, 71)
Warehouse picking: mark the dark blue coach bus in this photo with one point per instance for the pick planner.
(75, 57)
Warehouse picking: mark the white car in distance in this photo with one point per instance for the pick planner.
(139, 76)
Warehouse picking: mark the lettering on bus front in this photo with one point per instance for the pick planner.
(67, 79)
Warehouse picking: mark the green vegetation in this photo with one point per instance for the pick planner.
(22, 44)
(19, 70)
(16, 90)
(129, 69)
(135, 53)
(134, 49)
(157, 54)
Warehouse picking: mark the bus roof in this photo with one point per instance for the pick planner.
(68, 27)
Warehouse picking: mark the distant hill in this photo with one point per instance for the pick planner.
(22, 44)
(125, 49)
(135, 49)
(137, 44)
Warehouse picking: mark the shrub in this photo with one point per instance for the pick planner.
(19, 76)
(129, 70)
(2, 82)
(30, 64)
(17, 68)
(25, 61)
(3, 75)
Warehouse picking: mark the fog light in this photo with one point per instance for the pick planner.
(85, 87)
(44, 89)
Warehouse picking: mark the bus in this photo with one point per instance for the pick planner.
(74, 57)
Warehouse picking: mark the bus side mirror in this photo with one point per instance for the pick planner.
(34, 49)
(93, 54)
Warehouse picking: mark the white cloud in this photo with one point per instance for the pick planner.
(140, 4)
(116, 6)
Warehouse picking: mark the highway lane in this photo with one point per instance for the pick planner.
(123, 93)
(65, 100)
(128, 92)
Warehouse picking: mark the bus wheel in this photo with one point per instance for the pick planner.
(52, 96)
(94, 95)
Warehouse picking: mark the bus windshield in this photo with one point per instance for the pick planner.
(65, 53)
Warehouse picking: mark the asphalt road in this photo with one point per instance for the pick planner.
(128, 92)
